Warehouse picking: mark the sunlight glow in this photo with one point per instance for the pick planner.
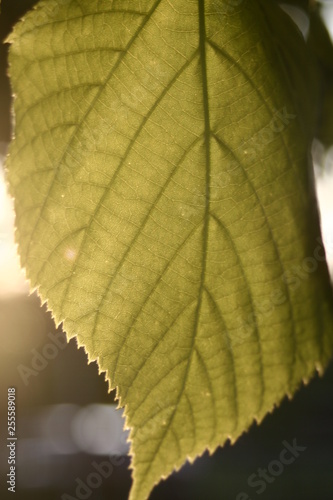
(98, 429)
(327, 14)
(11, 277)
(324, 183)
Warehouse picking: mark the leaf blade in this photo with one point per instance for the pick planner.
(164, 231)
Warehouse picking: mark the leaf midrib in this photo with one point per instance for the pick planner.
(207, 135)
(202, 48)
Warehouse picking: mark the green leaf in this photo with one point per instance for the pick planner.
(165, 209)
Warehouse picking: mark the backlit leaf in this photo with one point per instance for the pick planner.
(165, 210)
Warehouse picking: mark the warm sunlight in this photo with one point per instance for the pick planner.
(11, 278)
(325, 199)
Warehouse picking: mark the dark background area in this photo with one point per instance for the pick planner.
(67, 379)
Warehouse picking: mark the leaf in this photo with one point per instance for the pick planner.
(165, 209)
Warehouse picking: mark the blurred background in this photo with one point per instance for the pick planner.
(67, 423)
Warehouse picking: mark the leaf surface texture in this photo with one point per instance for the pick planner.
(165, 210)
